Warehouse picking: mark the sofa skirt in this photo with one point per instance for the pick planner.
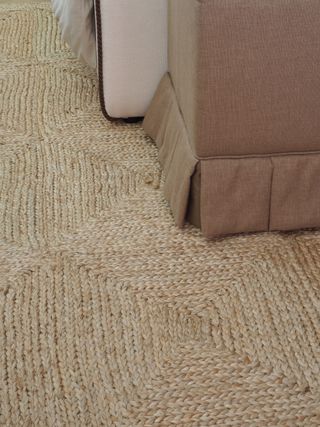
(227, 195)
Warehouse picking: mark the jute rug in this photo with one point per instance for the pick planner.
(110, 315)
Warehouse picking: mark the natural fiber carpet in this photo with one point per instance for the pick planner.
(110, 315)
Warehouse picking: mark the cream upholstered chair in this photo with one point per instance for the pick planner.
(130, 37)
(132, 53)
(237, 118)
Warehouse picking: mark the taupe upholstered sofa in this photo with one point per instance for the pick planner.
(237, 118)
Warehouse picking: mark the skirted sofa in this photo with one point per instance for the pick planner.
(237, 117)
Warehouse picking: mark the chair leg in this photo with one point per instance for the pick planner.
(133, 119)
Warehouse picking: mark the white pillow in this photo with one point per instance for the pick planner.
(76, 19)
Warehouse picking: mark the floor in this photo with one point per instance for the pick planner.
(110, 314)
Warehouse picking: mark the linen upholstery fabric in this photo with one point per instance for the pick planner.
(252, 85)
(175, 155)
(76, 19)
(260, 194)
(248, 111)
(296, 192)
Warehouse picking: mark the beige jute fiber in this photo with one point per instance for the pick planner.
(109, 314)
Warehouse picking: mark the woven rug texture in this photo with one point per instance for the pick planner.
(109, 314)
